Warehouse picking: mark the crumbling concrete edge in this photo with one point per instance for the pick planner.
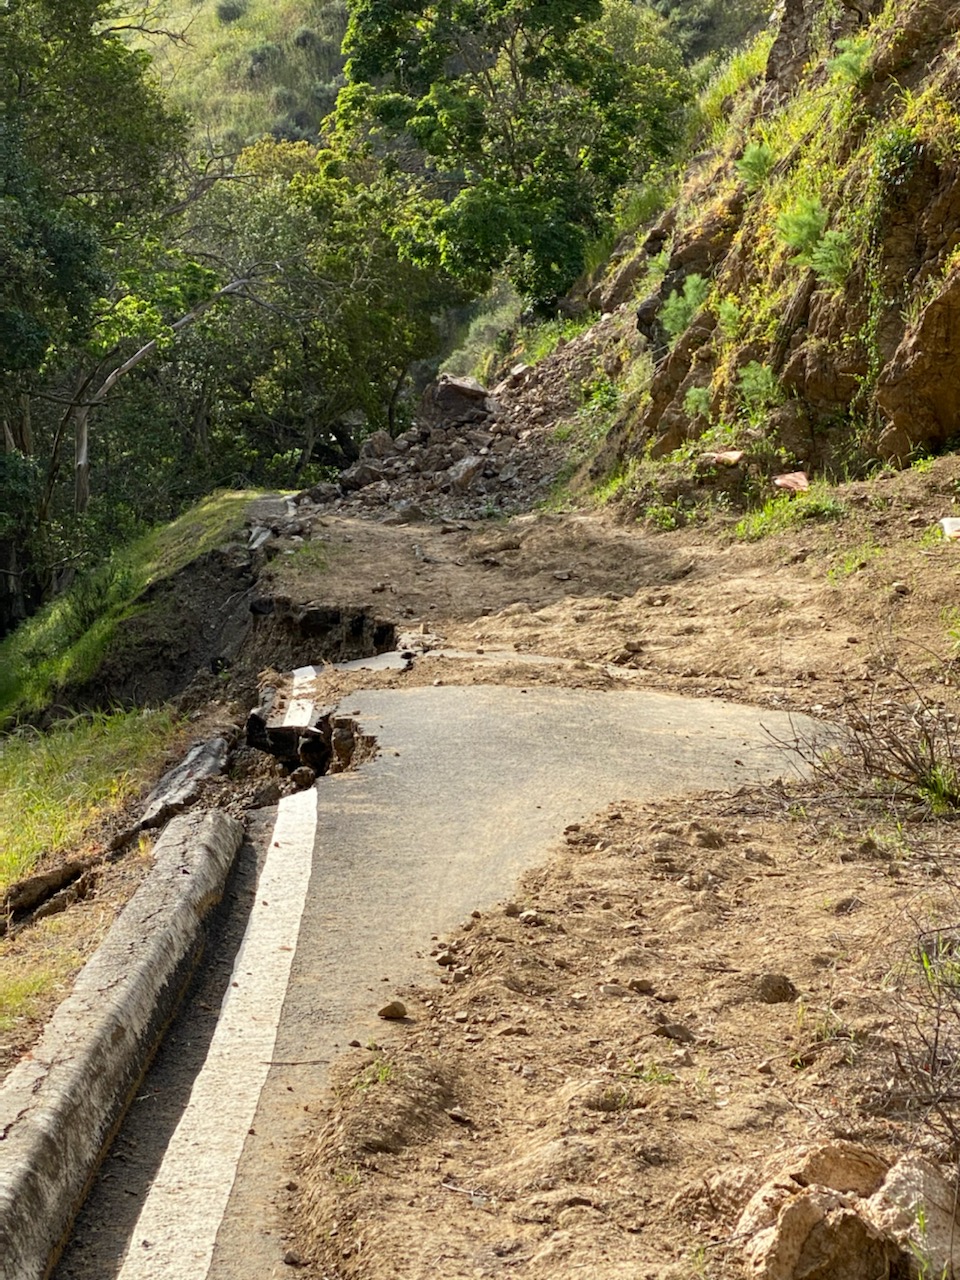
(61, 1105)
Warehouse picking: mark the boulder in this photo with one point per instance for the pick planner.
(453, 400)
(819, 1235)
(463, 473)
(379, 445)
(360, 475)
(917, 1207)
(812, 1220)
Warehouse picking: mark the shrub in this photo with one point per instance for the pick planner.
(755, 163)
(680, 308)
(231, 10)
(759, 389)
(832, 258)
(802, 226)
(696, 402)
(849, 66)
(728, 318)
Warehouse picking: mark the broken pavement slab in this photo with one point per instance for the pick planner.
(60, 1106)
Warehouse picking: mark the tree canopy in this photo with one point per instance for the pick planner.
(517, 120)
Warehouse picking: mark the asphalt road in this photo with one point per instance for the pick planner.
(334, 907)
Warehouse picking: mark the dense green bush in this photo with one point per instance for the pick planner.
(682, 305)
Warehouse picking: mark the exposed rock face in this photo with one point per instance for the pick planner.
(919, 390)
(868, 346)
(838, 1211)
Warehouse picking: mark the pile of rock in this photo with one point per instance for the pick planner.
(470, 452)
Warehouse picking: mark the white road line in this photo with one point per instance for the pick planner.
(300, 709)
(177, 1229)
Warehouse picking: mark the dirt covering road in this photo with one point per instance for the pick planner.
(703, 986)
(597, 1087)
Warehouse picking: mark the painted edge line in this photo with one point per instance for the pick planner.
(175, 1235)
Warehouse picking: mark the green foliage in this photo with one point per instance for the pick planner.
(682, 305)
(895, 155)
(850, 64)
(729, 317)
(55, 785)
(702, 27)
(490, 322)
(66, 641)
(755, 163)
(783, 511)
(801, 227)
(533, 115)
(20, 482)
(758, 389)
(541, 340)
(696, 402)
(741, 69)
(832, 258)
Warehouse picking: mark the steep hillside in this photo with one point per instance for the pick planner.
(248, 67)
(800, 299)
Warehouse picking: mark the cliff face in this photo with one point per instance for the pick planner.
(815, 246)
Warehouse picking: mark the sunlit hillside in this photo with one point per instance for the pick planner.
(248, 67)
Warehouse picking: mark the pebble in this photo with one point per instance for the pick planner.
(642, 986)
(395, 1010)
(530, 918)
(775, 988)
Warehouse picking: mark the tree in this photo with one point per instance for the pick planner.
(518, 119)
(332, 315)
(86, 148)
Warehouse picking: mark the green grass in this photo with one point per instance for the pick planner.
(54, 785)
(21, 993)
(67, 640)
(540, 341)
(783, 511)
(274, 69)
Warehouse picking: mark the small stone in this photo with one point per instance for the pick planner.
(446, 959)
(393, 1011)
(751, 854)
(303, 777)
(461, 1016)
(613, 989)
(847, 906)
(675, 1031)
(530, 918)
(642, 986)
(292, 1259)
(511, 909)
(458, 1115)
(775, 988)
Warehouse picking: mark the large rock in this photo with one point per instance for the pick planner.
(819, 1235)
(360, 475)
(918, 392)
(379, 445)
(455, 400)
(917, 1207)
(463, 473)
(810, 1221)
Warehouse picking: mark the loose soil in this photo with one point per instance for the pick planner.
(702, 982)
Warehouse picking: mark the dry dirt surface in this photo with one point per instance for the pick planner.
(596, 1082)
(684, 993)
(605, 1066)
